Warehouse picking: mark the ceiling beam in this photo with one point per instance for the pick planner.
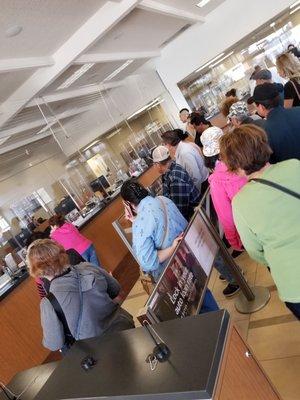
(70, 94)
(41, 122)
(156, 6)
(92, 30)
(19, 64)
(24, 142)
(121, 56)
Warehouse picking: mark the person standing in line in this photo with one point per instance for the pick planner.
(240, 115)
(266, 210)
(288, 67)
(282, 125)
(187, 155)
(177, 184)
(199, 123)
(69, 237)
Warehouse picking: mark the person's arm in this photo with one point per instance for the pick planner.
(223, 207)
(113, 286)
(250, 241)
(165, 254)
(53, 332)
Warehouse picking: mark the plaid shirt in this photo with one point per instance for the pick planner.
(179, 187)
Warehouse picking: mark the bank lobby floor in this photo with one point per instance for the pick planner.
(273, 333)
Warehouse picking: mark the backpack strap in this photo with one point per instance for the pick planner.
(278, 187)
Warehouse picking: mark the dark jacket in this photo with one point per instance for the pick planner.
(283, 129)
(258, 122)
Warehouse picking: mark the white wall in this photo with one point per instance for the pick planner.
(226, 25)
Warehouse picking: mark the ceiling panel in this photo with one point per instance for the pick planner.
(10, 81)
(47, 24)
(139, 31)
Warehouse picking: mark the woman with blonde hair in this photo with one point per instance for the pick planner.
(288, 66)
(81, 302)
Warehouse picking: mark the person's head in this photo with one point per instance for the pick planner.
(199, 122)
(231, 93)
(47, 258)
(161, 158)
(238, 113)
(263, 76)
(227, 103)
(256, 69)
(57, 220)
(210, 139)
(266, 98)
(171, 139)
(184, 115)
(290, 46)
(133, 192)
(288, 66)
(245, 149)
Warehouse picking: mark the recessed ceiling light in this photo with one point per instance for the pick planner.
(202, 3)
(13, 31)
(272, 24)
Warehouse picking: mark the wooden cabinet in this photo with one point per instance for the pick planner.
(241, 377)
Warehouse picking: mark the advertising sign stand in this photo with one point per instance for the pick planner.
(250, 299)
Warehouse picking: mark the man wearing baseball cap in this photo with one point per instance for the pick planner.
(177, 183)
(282, 124)
(240, 115)
(265, 76)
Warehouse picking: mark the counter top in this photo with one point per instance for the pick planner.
(15, 282)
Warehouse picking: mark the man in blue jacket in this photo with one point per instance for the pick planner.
(282, 125)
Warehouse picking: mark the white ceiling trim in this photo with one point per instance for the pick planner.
(69, 94)
(41, 122)
(96, 27)
(155, 6)
(18, 64)
(107, 57)
(24, 142)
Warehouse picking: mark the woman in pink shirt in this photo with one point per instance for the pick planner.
(69, 237)
(224, 185)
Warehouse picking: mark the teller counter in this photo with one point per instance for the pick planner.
(21, 334)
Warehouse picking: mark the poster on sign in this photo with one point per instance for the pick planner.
(180, 290)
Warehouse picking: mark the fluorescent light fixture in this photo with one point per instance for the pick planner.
(244, 51)
(146, 107)
(113, 133)
(295, 9)
(295, 4)
(272, 24)
(202, 3)
(77, 74)
(117, 71)
(90, 145)
(222, 59)
(209, 62)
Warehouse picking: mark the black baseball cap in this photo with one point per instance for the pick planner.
(264, 92)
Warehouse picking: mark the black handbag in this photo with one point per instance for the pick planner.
(69, 338)
(278, 187)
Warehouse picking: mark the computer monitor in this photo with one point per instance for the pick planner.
(65, 206)
(180, 290)
(99, 184)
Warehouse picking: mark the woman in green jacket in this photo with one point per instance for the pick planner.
(267, 217)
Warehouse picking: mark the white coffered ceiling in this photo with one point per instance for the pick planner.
(84, 45)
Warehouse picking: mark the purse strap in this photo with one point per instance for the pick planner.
(69, 338)
(160, 198)
(295, 87)
(278, 187)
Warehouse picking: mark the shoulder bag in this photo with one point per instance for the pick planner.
(278, 187)
(295, 88)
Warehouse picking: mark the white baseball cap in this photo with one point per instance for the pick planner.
(160, 153)
(210, 139)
